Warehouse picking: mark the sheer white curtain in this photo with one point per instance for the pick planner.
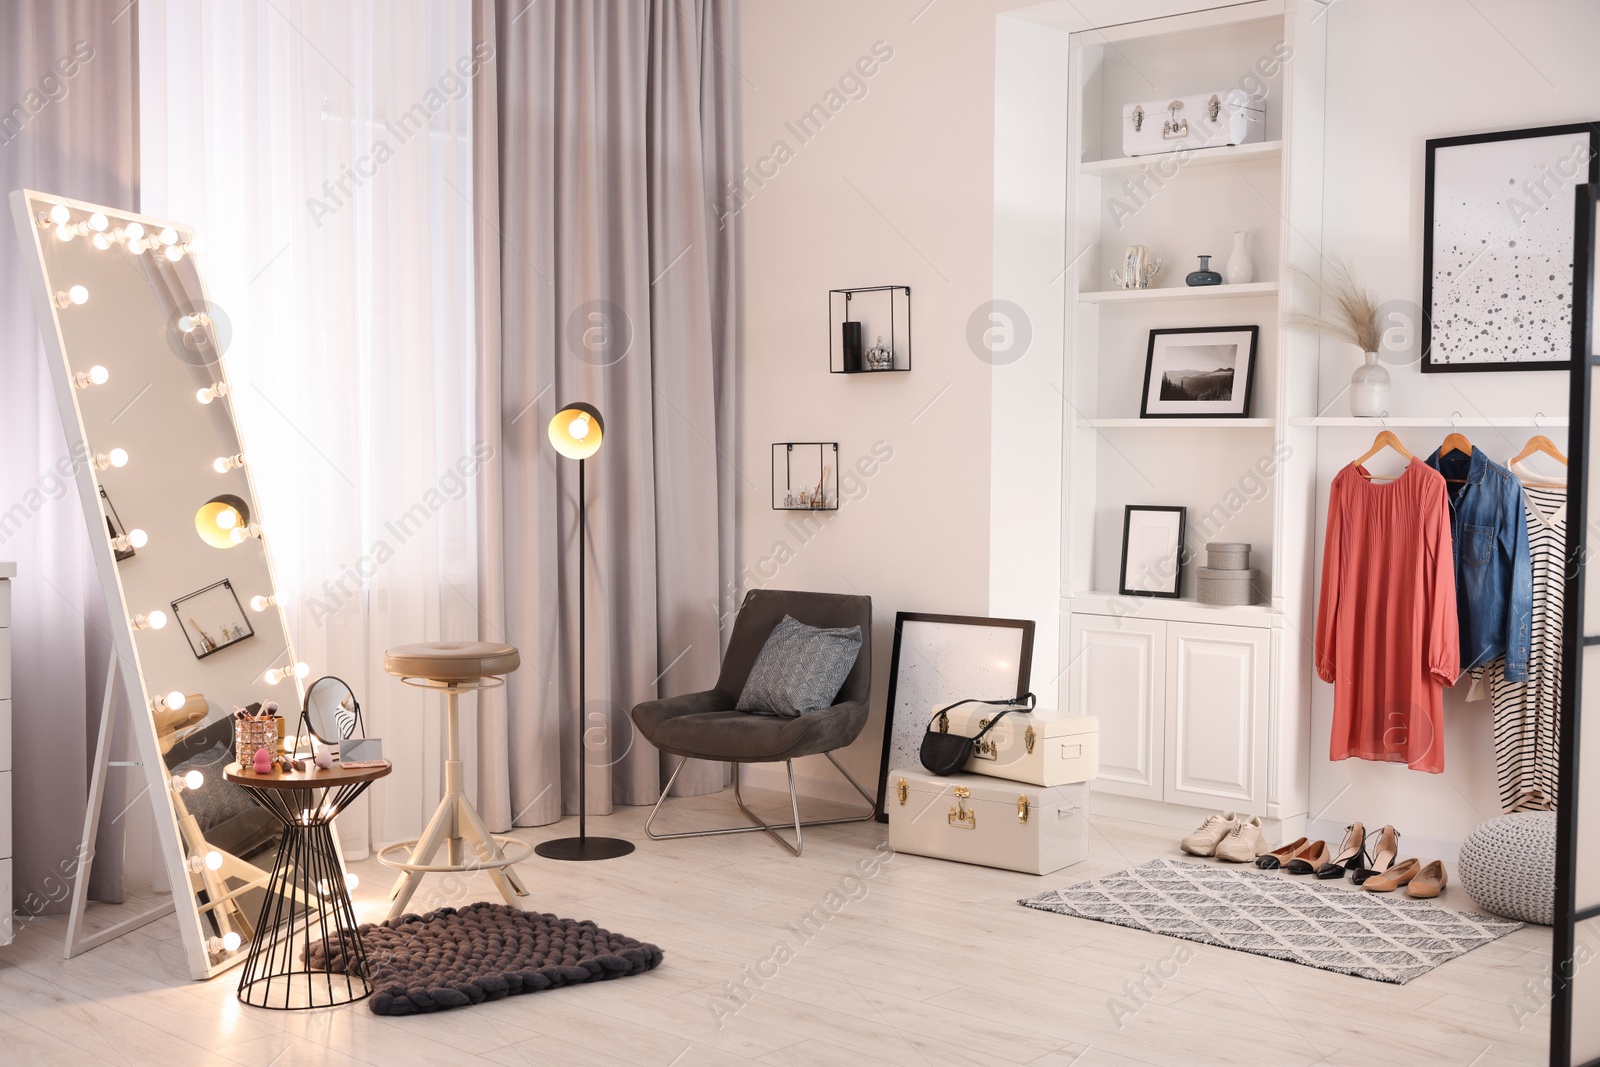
(324, 153)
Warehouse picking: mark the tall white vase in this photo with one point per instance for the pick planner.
(1369, 388)
(1240, 270)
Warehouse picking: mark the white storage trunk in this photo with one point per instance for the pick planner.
(973, 819)
(1041, 748)
(1202, 120)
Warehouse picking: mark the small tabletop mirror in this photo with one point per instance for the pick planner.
(332, 712)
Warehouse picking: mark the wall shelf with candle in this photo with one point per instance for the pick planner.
(869, 329)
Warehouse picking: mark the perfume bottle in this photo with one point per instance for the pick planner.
(1205, 275)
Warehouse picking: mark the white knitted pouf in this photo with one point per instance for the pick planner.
(1508, 865)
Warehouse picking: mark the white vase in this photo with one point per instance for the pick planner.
(1240, 270)
(1369, 388)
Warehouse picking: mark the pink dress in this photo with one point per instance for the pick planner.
(1387, 636)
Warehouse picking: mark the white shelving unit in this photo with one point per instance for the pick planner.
(1512, 422)
(1201, 708)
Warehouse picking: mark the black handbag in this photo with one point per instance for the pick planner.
(946, 753)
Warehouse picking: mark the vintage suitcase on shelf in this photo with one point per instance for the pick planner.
(1039, 747)
(993, 823)
(1200, 120)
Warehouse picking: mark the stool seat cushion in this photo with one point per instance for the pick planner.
(451, 661)
(1508, 865)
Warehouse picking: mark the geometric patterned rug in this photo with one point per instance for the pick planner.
(1370, 935)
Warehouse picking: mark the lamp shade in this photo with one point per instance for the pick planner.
(219, 517)
(576, 431)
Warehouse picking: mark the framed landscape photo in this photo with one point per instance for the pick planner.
(1199, 372)
(1152, 550)
(1498, 247)
(938, 660)
(212, 619)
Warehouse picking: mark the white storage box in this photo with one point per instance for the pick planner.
(973, 819)
(1200, 120)
(1039, 747)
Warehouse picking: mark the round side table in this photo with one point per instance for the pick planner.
(307, 901)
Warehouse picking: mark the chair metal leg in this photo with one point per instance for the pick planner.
(761, 826)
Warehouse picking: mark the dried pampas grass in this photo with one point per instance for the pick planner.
(1353, 317)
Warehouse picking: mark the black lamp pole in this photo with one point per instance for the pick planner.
(583, 847)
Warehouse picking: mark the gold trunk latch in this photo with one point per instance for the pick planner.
(903, 790)
(1022, 808)
(960, 814)
(1028, 739)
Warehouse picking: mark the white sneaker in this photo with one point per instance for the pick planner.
(1244, 843)
(1204, 841)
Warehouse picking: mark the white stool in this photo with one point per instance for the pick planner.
(454, 667)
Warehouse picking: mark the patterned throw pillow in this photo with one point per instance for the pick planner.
(800, 669)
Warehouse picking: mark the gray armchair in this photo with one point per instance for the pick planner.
(706, 726)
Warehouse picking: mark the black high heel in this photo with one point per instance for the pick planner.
(1352, 854)
(1383, 857)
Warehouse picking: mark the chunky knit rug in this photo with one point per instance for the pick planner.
(453, 957)
(1333, 928)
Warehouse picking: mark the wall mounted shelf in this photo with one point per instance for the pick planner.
(1177, 424)
(880, 314)
(804, 467)
(1206, 157)
(1179, 292)
(1441, 421)
(1180, 610)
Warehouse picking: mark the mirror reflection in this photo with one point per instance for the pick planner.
(332, 711)
(186, 562)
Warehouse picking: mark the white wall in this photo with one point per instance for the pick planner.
(896, 188)
(1399, 74)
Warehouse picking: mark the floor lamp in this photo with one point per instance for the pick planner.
(576, 432)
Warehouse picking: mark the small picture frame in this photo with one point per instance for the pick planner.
(1199, 372)
(212, 619)
(1152, 550)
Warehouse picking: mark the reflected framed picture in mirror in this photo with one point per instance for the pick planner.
(212, 619)
(121, 546)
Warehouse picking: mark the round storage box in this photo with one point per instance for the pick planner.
(1508, 865)
(1227, 555)
(1228, 588)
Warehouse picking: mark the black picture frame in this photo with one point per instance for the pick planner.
(212, 601)
(1128, 513)
(1559, 228)
(898, 688)
(1203, 409)
(115, 528)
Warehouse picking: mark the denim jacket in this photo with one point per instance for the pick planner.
(1494, 581)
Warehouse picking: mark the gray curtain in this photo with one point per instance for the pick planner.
(68, 125)
(605, 136)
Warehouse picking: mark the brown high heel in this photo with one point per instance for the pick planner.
(1383, 856)
(1352, 854)
(1429, 881)
(1395, 877)
(1271, 861)
(1314, 856)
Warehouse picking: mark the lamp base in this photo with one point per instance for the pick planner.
(584, 848)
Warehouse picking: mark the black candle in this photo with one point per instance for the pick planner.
(852, 347)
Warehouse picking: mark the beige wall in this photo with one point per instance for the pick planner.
(896, 188)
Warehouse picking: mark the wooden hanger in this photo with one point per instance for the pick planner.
(1455, 443)
(1385, 439)
(1536, 444)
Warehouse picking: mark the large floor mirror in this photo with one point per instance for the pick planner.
(165, 480)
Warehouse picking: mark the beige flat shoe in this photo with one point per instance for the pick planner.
(1245, 843)
(1310, 858)
(1271, 861)
(1428, 882)
(1395, 877)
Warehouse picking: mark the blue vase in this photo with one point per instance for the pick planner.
(1205, 275)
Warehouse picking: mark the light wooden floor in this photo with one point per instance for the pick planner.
(932, 963)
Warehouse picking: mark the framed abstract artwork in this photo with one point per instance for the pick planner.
(938, 660)
(1497, 247)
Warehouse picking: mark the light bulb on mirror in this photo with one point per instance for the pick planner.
(169, 236)
(60, 215)
(262, 603)
(174, 253)
(213, 860)
(133, 539)
(117, 457)
(77, 295)
(98, 222)
(101, 241)
(95, 375)
(227, 943)
(240, 534)
(278, 674)
(173, 701)
(153, 620)
(65, 233)
(206, 396)
(190, 781)
(224, 464)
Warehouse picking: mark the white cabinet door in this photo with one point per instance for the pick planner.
(1115, 671)
(1217, 690)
